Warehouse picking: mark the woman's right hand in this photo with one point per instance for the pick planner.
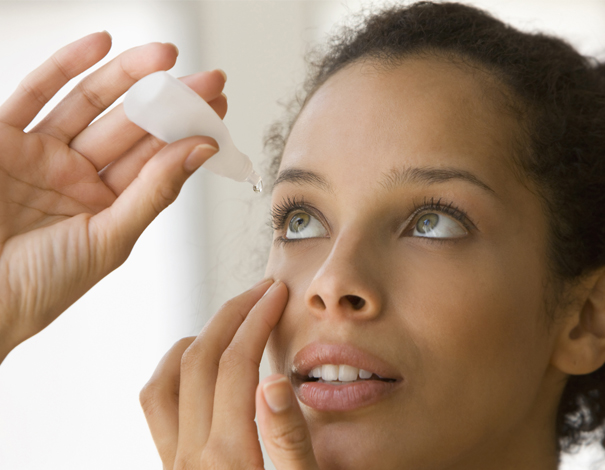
(75, 196)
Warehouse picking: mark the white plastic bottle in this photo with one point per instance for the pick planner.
(170, 110)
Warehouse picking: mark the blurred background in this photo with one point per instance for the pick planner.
(69, 396)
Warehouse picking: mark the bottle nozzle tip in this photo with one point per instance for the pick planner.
(256, 181)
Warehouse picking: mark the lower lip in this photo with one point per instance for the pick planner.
(327, 397)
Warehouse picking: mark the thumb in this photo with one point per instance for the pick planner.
(116, 229)
(282, 426)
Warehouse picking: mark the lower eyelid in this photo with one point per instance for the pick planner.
(295, 241)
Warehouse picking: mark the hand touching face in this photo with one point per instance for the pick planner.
(200, 403)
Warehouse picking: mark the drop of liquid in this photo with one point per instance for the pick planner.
(258, 187)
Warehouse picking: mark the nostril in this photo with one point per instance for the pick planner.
(318, 303)
(356, 302)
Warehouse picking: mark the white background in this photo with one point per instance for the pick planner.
(69, 396)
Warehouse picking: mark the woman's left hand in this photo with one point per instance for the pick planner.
(200, 401)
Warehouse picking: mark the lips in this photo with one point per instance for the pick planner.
(317, 354)
(328, 396)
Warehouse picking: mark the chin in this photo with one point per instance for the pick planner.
(351, 445)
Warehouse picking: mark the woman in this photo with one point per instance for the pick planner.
(435, 293)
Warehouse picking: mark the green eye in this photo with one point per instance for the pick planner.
(303, 225)
(431, 225)
(427, 223)
(298, 222)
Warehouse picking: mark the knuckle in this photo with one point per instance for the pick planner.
(33, 91)
(154, 145)
(214, 457)
(150, 398)
(192, 359)
(130, 75)
(60, 67)
(187, 462)
(290, 438)
(163, 197)
(234, 304)
(93, 98)
(183, 342)
(229, 304)
(220, 456)
(231, 359)
(210, 462)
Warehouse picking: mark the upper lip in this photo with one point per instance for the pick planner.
(317, 354)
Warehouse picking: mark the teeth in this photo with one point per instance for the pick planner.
(347, 373)
(342, 373)
(329, 372)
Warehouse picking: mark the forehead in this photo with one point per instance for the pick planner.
(423, 112)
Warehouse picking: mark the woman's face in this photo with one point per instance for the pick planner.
(413, 252)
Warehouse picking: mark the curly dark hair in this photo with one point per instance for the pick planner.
(559, 97)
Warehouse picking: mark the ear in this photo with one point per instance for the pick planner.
(580, 343)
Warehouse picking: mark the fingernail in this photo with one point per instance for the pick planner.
(224, 96)
(222, 72)
(198, 156)
(260, 283)
(108, 33)
(173, 45)
(277, 395)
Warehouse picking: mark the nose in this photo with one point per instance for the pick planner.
(346, 285)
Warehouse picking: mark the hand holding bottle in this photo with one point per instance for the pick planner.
(75, 196)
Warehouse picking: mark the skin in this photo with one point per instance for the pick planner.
(75, 196)
(464, 320)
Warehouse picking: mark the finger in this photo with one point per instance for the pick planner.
(44, 82)
(114, 134)
(114, 231)
(199, 367)
(234, 409)
(95, 93)
(118, 175)
(220, 105)
(160, 401)
(282, 425)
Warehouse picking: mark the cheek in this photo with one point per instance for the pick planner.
(296, 268)
(478, 324)
(472, 306)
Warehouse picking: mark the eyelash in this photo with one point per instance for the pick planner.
(449, 209)
(281, 211)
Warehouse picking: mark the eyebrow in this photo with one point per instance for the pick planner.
(301, 177)
(393, 178)
(405, 175)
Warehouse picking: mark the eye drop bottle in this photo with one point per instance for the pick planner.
(168, 109)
